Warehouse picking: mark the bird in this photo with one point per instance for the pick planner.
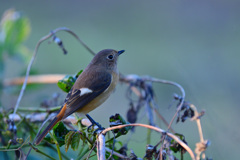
(93, 86)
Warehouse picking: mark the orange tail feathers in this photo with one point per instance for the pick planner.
(51, 125)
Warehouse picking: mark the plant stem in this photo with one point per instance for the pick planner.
(49, 110)
(149, 136)
(59, 152)
(54, 149)
(57, 145)
(37, 150)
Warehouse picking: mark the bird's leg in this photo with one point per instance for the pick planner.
(94, 123)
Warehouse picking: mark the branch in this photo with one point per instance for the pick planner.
(44, 110)
(41, 117)
(101, 147)
(33, 79)
(186, 147)
(116, 153)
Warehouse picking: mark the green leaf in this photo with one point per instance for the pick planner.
(75, 141)
(68, 81)
(68, 139)
(60, 131)
(78, 73)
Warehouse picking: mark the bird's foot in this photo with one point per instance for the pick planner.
(100, 128)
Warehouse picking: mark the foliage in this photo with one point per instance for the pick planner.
(14, 30)
(68, 81)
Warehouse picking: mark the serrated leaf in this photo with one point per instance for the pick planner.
(75, 141)
(68, 139)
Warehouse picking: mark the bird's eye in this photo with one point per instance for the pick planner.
(110, 57)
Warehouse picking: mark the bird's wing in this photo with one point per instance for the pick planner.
(79, 97)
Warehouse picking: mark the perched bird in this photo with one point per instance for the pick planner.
(93, 86)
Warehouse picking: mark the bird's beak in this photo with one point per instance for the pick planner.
(120, 52)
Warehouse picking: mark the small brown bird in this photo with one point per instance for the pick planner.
(93, 86)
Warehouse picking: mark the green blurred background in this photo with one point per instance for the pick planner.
(194, 43)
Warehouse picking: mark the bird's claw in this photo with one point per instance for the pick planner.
(100, 128)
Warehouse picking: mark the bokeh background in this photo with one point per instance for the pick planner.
(194, 43)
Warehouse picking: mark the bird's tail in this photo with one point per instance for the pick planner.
(51, 125)
(46, 130)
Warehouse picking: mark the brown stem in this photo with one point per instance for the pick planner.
(34, 79)
(186, 147)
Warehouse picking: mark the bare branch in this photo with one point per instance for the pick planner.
(41, 117)
(34, 79)
(116, 153)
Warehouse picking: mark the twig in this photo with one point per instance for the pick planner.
(55, 150)
(34, 79)
(116, 153)
(197, 119)
(183, 96)
(203, 144)
(91, 151)
(58, 151)
(41, 117)
(77, 37)
(57, 145)
(44, 110)
(150, 127)
(37, 150)
(163, 119)
(26, 141)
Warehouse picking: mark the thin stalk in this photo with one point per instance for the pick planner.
(39, 151)
(49, 110)
(59, 152)
(149, 131)
(57, 145)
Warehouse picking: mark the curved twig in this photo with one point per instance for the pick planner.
(174, 84)
(186, 147)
